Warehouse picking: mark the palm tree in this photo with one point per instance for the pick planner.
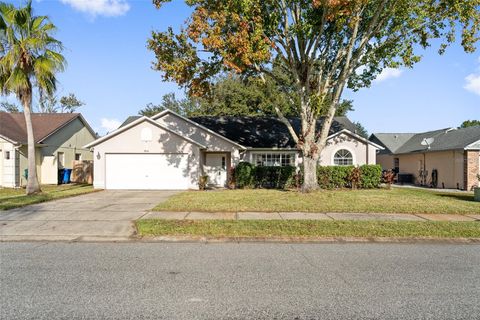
(29, 58)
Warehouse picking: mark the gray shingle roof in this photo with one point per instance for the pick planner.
(443, 139)
(263, 132)
(391, 141)
(258, 132)
(129, 120)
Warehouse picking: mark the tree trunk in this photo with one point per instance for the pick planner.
(310, 182)
(32, 182)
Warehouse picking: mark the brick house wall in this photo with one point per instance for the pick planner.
(471, 169)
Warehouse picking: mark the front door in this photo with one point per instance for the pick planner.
(216, 169)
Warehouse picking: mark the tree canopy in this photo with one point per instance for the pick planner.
(233, 95)
(322, 46)
(470, 123)
(9, 107)
(49, 103)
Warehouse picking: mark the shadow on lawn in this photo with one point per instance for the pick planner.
(462, 197)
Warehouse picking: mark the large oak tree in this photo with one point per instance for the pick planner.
(324, 46)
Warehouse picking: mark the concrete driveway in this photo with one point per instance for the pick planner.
(106, 215)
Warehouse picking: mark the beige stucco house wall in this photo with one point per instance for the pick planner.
(129, 142)
(212, 141)
(449, 165)
(362, 151)
(386, 161)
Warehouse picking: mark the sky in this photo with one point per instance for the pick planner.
(109, 68)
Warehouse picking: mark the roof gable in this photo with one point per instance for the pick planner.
(190, 122)
(391, 141)
(443, 139)
(135, 123)
(13, 125)
(357, 137)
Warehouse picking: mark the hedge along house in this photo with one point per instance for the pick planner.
(59, 140)
(445, 158)
(169, 151)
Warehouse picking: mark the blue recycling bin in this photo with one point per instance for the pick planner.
(66, 175)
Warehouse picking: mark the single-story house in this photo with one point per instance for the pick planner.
(59, 140)
(445, 158)
(169, 151)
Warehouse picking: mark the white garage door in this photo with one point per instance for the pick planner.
(146, 171)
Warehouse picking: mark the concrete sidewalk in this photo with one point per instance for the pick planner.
(308, 216)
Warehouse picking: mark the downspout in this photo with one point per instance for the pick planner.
(367, 155)
(424, 169)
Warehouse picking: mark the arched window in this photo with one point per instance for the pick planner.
(343, 158)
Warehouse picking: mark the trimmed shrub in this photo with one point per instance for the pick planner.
(274, 177)
(332, 177)
(244, 175)
(371, 176)
(337, 177)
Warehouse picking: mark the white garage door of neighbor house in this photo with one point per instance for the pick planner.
(146, 171)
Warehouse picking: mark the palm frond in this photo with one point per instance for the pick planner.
(18, 82)
(29, 54)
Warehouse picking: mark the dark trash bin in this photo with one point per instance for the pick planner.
(405, 178)
(66, 175)
(61, 173)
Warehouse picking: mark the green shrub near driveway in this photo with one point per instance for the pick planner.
(244, 175)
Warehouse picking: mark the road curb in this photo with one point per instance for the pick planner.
(205, 240)
(199, 239)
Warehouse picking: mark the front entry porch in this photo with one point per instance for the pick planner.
(216, 165)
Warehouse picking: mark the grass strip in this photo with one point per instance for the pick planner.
(307, 228)
(15, 198)
(396, 200)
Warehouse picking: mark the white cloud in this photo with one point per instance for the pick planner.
(473, 83)
(110, 124)
(108, 8)
(388, 73)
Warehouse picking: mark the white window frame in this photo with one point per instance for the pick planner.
(346, 149)
(61, 159)
(269, 161)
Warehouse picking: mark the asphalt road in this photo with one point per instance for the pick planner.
(239, 281)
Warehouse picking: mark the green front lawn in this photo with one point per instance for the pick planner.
(396, 200)
(14, 198)
(305, 229)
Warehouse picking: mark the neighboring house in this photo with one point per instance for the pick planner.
(447, 158)
(169, 151)
(59, 140)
